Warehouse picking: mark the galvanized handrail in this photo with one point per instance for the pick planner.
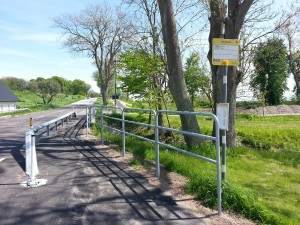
(31, 141)
(157, 143)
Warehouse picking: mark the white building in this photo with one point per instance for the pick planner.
(8, 100)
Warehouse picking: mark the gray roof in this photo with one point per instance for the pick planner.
(6, 94)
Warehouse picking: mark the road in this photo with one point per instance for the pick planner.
(118, 103)
(12, 133)
(85, 184)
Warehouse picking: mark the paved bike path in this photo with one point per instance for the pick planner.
(86, 185)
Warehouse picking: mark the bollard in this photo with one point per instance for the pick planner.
(30, 122)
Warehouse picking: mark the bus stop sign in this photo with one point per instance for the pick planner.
(225, 52)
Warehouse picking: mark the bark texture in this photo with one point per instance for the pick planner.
(176, 83)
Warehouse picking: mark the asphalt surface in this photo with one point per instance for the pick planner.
(86, 185)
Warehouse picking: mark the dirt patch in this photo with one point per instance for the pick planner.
(273, 110)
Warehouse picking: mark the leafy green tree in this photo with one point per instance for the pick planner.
(197, 81)
(40, 79)
(291, 34)
(93, 94)
(271, 71)
(145, 78)
(295, 69)
(64, 84)
(46, 89)
(15, 83)
(139, 67)
(79, 87)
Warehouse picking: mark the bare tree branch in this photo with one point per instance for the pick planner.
(99, 33)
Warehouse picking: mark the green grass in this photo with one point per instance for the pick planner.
(31, 102)
(263, 176)
(276, 133)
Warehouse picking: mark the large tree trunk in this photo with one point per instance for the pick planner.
(176, 79)
(160, 118)
(233, 81)
(216, 20)
(237, 11)
(297, 81)
(104, 93)
(293, 68)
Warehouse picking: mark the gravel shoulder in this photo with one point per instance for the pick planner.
(273, 110)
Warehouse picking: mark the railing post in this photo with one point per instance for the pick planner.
(93, 117)
(156, 134)
(30, 151)
(219, 187)
(55, 126)
(123, 132)
(95, 113)
(87, 120)
(33, 158)
(101, 124)
(37, 139)
(48, 130)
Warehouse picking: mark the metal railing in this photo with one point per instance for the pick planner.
(157, 143)
(32, 137)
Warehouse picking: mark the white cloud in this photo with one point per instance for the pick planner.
(7, 26)
(43, 37)
(12, 52)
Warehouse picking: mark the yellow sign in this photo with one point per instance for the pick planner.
(225, 52)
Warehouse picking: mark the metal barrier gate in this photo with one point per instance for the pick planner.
(32, 139)
(91, 112)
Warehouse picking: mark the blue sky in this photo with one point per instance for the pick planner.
(29, 45)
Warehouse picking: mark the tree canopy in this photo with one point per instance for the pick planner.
(48, 88)
(271, 71)
(197, 81)
(140, 67)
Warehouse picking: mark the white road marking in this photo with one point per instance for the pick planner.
(2, 159)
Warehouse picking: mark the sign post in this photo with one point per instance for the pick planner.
(225, 52)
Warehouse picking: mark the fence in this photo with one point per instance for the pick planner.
(32, 137)
(91, 112)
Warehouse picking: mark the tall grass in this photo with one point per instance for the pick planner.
(262, 179)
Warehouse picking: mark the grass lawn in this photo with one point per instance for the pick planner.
(34, 103)
(269, 167)
(263, 176)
